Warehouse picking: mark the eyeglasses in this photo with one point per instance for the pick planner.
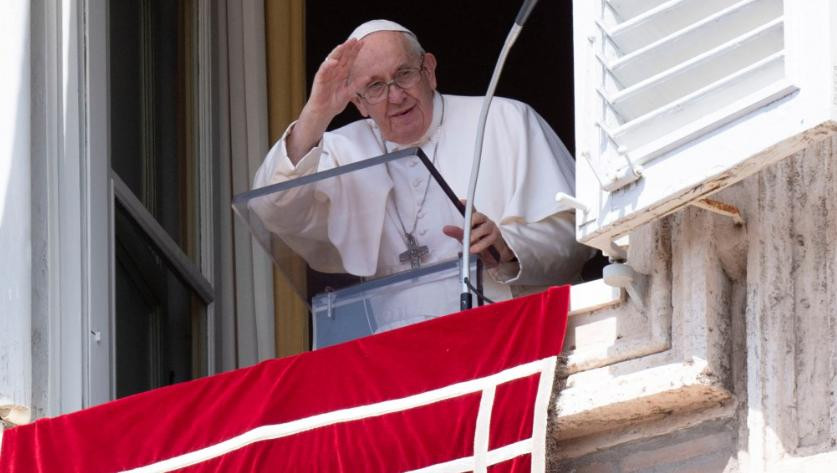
(405, 78)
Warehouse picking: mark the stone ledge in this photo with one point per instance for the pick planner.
(820, 463)
(592, 296)
(603, 403)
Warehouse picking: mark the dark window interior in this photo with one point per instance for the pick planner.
(466, 36)
(158, 319)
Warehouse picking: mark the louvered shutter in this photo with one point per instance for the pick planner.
(676, 99)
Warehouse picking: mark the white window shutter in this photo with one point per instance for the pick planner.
(678, 98)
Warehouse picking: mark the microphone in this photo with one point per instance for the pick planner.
(465, 299)
(525, 10)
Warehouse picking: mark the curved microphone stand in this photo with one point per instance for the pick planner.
(465, 298)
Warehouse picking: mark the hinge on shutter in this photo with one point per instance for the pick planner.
(611, 180)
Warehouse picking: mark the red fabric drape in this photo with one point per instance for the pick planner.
(399, 401)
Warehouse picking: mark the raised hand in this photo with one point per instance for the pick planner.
(331, 90)
(330, 93)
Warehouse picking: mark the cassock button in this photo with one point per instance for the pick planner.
(413, 162)
(423, 232)
(420, 214)
(417, 183)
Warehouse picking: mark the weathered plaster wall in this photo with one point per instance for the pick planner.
(754, 307)
(15, 251)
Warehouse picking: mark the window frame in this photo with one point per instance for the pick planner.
(81, 192)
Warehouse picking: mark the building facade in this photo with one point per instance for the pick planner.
(705, 155)
(705, 136)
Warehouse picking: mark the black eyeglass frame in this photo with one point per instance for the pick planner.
(394, 81)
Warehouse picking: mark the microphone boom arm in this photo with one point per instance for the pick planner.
(465, 300)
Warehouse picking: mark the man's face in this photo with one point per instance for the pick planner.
(404, 115)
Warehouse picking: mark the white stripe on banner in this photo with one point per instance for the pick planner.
(463, 465)
(483, 430)
(541, 411)
(276, 431)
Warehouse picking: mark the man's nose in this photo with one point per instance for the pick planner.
(395, 94)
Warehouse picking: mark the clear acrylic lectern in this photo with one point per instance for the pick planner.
(370, 234)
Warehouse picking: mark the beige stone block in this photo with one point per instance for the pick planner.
(646, 460)
(597, 467)
(713, 465)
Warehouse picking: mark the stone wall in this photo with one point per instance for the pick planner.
(737, 369)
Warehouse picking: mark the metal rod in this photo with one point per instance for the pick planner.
(465, 267)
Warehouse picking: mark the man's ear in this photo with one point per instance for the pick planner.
(430, 66)
(360, 106)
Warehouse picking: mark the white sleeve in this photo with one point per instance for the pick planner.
(547, 252)
(277, 167)
(297, 215)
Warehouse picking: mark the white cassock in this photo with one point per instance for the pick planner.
(353, 225)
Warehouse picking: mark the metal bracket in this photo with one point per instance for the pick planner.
(623, 276)
(623, 177)
(15, 414)
(570, 202)
(330, 304)
(616, 180)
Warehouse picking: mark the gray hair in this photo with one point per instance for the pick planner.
(413, 45)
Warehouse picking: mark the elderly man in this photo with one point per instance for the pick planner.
(386, 74)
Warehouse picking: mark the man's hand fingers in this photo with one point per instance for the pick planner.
(478, 233)
(453, 232)
(477, 218)
(488, 259)
(485, 241)
(480, 247)
(482, 227)
(480, 238)
(348, 52)
(481, 231)
(344, 51)
(339, 61)
(332, 90)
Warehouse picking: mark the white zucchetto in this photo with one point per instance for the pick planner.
(373, 26)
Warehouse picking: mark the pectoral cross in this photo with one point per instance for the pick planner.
(414, 253)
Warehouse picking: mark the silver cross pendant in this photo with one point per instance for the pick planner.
(415, 253)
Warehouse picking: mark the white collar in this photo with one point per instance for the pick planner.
(432, 133)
